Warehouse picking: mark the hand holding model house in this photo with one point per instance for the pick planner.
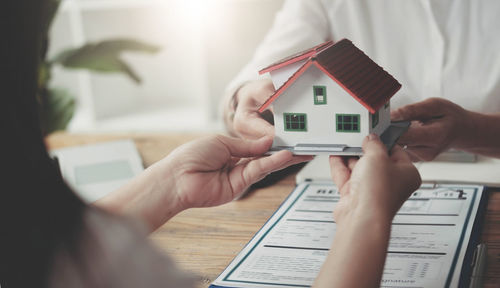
(328, 98)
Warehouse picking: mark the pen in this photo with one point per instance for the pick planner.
(478, 266)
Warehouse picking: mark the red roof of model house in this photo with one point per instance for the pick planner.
(352, 69)
(296, 57)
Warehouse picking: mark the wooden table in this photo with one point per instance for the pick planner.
(205, 240)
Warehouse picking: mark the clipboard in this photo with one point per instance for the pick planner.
(470, 246)
(475, 258)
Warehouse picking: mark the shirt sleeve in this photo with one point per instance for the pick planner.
(111, 251)
(299, 25)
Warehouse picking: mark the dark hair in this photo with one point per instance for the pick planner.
(38, 211)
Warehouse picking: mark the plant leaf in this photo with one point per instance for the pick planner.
(104, 56)
(57, 110)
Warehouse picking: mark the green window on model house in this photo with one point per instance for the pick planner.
(295, 121)
(347, 123)
(319, 95)
(374, 119)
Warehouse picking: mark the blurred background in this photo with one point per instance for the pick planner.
(202, 46)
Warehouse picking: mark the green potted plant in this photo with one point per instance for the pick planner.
(57, 105)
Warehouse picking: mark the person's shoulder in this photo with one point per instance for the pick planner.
(113, 251)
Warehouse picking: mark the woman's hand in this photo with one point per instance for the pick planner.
(372, 189)
(242, 116)
(205, 172)
(375, 185)
(217, 169)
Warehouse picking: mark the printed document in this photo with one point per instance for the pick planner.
(429, 239)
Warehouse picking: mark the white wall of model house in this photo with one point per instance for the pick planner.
(281, 75)
(321, 119)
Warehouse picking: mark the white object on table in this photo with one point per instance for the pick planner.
(98, 169)
(484, 171)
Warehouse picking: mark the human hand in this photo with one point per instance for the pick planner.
(376, 185)
(247, 122)
(436, 126)
(217, 169)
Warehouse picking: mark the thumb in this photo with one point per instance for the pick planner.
(373, 146)
(423, 110)
(396, 115)
(238, 147)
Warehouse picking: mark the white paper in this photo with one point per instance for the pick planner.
(98, 169)
(484, 171)
(428, 240)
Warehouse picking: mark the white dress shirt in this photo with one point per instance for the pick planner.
(435, 48)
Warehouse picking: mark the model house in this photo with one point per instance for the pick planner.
(329, 98)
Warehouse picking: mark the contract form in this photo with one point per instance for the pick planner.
(429, 239)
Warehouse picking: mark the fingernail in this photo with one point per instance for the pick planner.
(266, 138)
(372, 136)
(395, 115)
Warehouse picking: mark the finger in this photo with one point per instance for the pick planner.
(419, 134)
(296, 159)
(416, 179)
(250, 125)
(238, 147)
(247, 122)
(413, 157)
(398, 155)
(408, 180)
(302, 158)
(234, 161)
(339, 171)
(255, 93)
(250, 172)
(373, 146)
(423, 153)
(351, 162)
(346, 189)
(424, 110)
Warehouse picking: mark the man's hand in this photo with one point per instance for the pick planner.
(436, 125)
(247, 122)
